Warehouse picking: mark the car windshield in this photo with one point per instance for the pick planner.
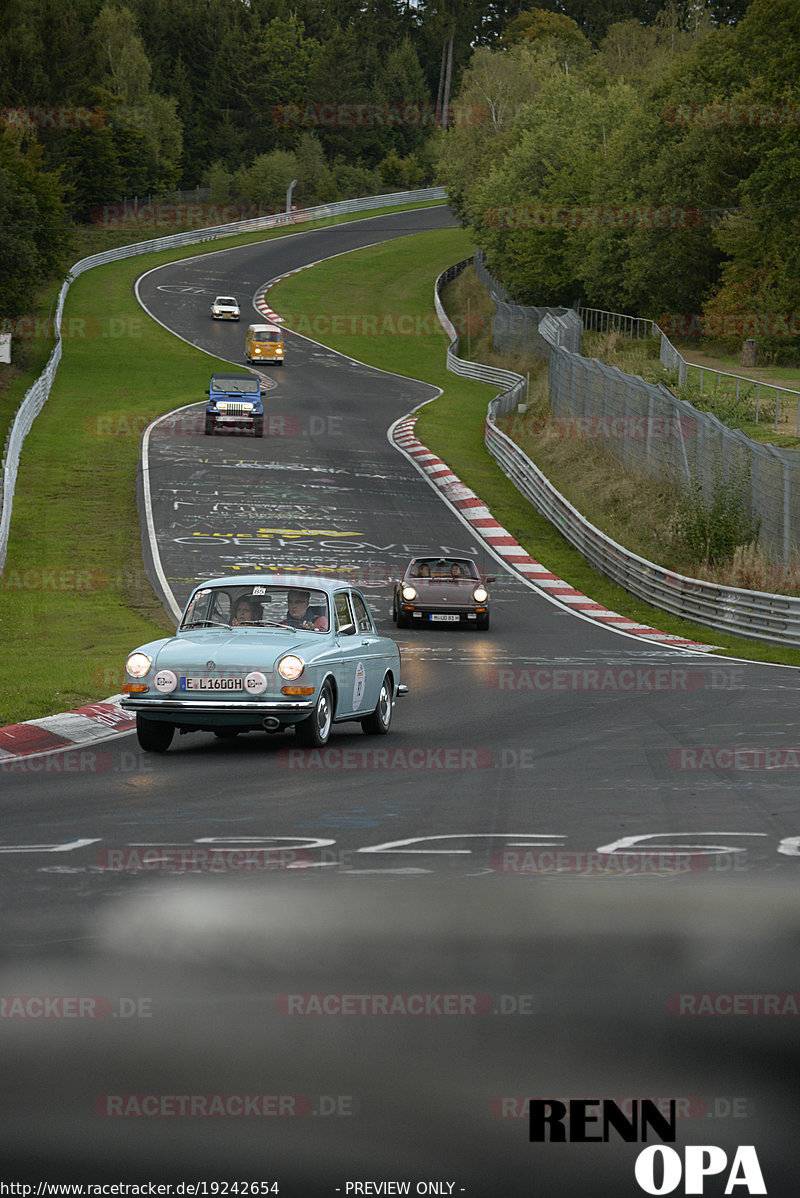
(232, 386)
(227, 300)
(452, 568)
(296, 608)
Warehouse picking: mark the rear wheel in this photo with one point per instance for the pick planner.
(155, 736)
(378, 722)
(314, 731)
(226, 733)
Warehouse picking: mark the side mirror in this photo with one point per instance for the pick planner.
(491, 578)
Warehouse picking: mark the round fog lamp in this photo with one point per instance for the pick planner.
(166, 681)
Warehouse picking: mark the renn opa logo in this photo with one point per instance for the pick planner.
(658, 1169)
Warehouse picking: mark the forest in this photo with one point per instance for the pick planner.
(632, 155)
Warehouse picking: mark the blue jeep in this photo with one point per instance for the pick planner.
(235, 401)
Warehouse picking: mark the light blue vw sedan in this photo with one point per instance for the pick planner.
(265, 652)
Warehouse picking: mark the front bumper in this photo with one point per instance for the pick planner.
(206, 707)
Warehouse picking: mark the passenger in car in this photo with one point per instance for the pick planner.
(246, 611)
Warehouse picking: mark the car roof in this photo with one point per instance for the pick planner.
(304, 581)
(264, 328)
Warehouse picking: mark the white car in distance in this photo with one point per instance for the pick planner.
(225, 307)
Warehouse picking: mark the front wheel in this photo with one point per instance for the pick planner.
(155, 736)
(314, 732)
(258, 426)
(482, 623)
(209, 425)
(378, 722)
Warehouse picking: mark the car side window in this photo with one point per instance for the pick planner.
(363, 621)
(344, 616)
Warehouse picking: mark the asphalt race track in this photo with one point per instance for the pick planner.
(389, 952)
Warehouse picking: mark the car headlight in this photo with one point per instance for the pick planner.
(480, 594)
(291, 667)
(138, 664)
(409, 594)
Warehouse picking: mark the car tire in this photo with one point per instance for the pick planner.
(398, 617)
(209, 429)
(378, 722)
(155, 736)
(313, 732)
(482, 623)
(258, 426)
(226, 733)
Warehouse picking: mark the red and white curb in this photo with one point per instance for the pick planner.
(474, 510)
(96, 721)
(260, 297)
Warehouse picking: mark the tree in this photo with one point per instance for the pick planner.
(34, 230)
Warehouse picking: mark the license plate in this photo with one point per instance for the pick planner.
(211, 684)
(445, 618)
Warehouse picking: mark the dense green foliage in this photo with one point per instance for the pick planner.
(554, 103)
(654, 174)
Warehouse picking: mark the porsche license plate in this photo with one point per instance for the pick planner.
(229, 683)
(445, 618)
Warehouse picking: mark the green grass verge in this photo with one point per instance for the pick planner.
(387, 280)
(74, 599)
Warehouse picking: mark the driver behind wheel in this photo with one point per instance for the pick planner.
(300, 615)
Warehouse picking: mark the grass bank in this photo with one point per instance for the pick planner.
(74, 599)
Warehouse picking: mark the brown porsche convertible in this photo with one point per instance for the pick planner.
(442, 590)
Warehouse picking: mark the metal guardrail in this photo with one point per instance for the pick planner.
(36, 396)
(599, 321)
(754, 614)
